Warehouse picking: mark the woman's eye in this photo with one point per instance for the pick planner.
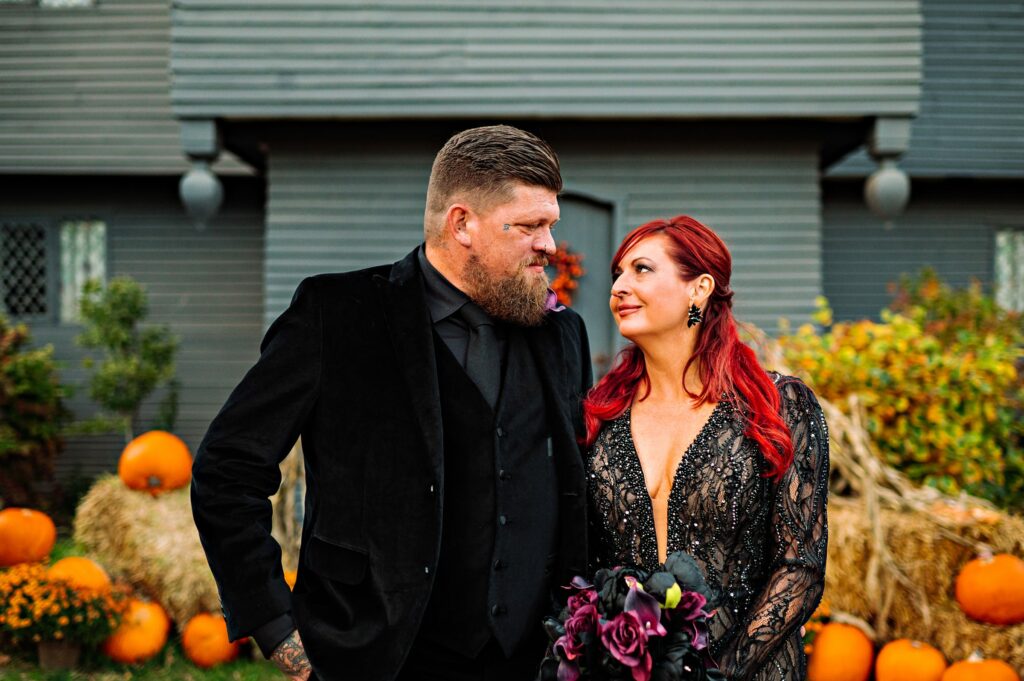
(641, 268)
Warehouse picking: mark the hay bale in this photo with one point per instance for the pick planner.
(928, 548)
(149, 542)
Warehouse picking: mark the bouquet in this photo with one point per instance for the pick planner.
(630, 624)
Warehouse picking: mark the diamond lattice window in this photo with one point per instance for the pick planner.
(23, 284)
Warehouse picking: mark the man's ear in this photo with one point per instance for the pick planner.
(456, 221)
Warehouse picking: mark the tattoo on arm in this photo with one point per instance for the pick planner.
(290, 657)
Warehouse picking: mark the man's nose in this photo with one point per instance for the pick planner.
(545, 242)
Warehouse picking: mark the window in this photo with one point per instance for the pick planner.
(66, 4)
(83, 256)
(23, 270)
(43, 268)
(1010, 269)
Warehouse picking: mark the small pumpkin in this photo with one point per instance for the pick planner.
(205, 641)
(906, 660)
(26, 536)
(80, 572)
(156, 462)
(842, 652)
(142, 634)
(975, 668)
(991, 589)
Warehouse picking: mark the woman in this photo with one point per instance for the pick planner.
(694, 447)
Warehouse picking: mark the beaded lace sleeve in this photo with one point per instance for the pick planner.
(797, 550)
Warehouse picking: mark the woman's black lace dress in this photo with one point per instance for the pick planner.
(761, 542)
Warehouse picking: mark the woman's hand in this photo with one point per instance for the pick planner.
(290, 658)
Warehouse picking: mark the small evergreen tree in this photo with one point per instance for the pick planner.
(136, 360)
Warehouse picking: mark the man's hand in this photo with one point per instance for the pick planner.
(290, 658)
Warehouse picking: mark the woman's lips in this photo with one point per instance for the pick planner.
(626, 310)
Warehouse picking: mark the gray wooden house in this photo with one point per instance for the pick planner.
(321, 119)
(90, 160)
(965, 217)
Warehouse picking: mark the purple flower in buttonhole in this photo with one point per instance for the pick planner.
(552, 304)
(625, 638)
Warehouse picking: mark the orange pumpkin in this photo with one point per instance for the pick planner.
(142, 634)
(156, 461)
(26, 536)
(977, 669)
(289, 578)
(205, 641)
(906, 660)
(842, 652)
(80, 572)
(991, 589)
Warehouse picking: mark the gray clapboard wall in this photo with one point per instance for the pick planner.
(87, 90)
(972, 101)
(945, 228)
(583, 58)
(206, 285)
(356, 200)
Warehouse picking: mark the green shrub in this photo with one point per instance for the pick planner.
(136, 360)
(940, 381)
(32, 414)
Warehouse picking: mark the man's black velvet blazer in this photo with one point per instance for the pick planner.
(350, 366)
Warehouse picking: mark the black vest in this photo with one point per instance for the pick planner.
(500, 508)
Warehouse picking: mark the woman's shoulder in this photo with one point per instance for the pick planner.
(794, 392)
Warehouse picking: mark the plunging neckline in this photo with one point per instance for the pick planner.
(687, 455)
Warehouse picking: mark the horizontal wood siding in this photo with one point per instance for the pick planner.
(357, 201)
(972, 100)
(87, 90)
(949, 226)
(206, 285)
(574, 58)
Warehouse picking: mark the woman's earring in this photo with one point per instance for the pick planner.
(696, 316)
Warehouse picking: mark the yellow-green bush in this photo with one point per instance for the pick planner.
(944, 400)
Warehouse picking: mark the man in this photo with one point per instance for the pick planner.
(438, 404)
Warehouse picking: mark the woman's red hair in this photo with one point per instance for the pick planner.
(727, 366)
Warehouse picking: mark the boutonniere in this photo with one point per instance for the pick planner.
(552, 304)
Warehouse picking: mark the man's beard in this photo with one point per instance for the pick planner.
(515, 299)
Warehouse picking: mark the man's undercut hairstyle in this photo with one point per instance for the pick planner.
(483, 164)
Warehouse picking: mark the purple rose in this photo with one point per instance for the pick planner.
(570, 645)
(691, 606)
(581, 598)
(691, 611)
(625, 637)
(583, 621)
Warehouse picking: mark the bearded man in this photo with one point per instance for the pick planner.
(438, 400)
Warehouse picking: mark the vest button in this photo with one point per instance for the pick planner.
(498, 610)
(503, 475)
(499, 564)
(503, 519)
(500, 431)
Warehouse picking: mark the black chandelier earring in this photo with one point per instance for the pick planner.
(696, 316)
